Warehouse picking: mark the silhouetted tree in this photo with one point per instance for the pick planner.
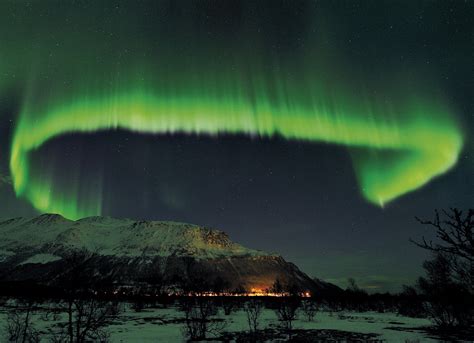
(239, 290)
(449, 302)
(310, 308)
(455, 230)
(195, 279)
(153, 289)
(287, 310)
(198, 317)
(449, 281)
(277, 287)
(253, 309)
(410, 302)
(356, 298)
(155, 281)
(219, 285)
(352, 285)
(287, 306)
(87, 312)
(229, 304)
(19, 326)
(198, 308)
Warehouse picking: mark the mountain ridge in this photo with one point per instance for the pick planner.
(123, 237)
(126, 250)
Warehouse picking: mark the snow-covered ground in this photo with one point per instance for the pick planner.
(165, 324)
(152, 324)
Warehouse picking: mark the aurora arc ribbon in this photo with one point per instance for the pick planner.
(390, 158)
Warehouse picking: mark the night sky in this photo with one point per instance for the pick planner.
(314, 129)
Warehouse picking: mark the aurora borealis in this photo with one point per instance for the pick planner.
(425, 149)
(405, 143)
(260, 70)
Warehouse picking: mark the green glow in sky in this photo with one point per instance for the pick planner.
(82, 75)
(394, 158)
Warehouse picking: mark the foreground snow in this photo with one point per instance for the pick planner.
(165, 325)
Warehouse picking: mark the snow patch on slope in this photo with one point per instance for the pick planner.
(119, 237)
(4, 254)
(41, 259)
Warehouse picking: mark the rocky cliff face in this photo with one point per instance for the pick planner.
(127, 252)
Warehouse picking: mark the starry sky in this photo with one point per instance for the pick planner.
(314, 129)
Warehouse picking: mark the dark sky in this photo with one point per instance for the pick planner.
(298, 198)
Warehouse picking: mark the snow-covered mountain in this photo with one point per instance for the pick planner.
(124, 250)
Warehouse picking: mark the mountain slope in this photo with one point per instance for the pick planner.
(127, 251)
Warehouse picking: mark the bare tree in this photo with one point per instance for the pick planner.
(91, 317)
(155, 281)
(287, 306)
(356, 298)
(449, 303)
(198, 308)
(87, 321)
(253, 309)
(87, 313)
(198, 317)
(310, 308)
(277, 287)
(19, 326)
(228, 305)
(449, 281)
(138, 303)
(287, 310)
(455, 230)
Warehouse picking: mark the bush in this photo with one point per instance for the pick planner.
(229, 305)
(310, 308)
(449, 303)
(253, 308)
(19, 327)
(198, 313)
(287, 311)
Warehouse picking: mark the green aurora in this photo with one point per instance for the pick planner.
(81, 78)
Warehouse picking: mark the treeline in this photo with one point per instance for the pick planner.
(87, 305)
